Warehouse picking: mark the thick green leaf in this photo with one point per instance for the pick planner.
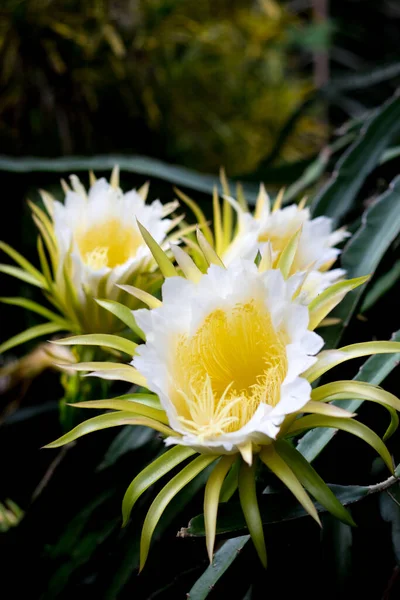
(132, 164)
(152, 473)
(363, 253)
(77, 544)
(389, 505)
(358, 81)
(336, 544)
(374, 370)
(381, 287)
(127, 440)
(336, 198)
(223, 559)
(30, 334)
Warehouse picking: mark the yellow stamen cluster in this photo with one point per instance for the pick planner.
(235, 361)
(108, 244)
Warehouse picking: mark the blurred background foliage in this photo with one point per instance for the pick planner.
(191, 82)
(275, 92)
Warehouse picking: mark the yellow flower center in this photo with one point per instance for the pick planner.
(235, 361)
(108, 244)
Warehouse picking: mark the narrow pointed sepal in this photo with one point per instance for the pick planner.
(189, 268)
(331, 297)
(211, 499)
(150, 475)
(313, 483)
(246, 450)
(103, 340)
(287, 257)
(209, 253)
(281, 469)
(198, 213)
(351, 426)
(331, 358)
(141, 295)
(166, 266)
(164, 498)
(251, 512)
(115, 419)
(123, 313)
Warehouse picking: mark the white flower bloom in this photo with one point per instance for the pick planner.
(315, 251)
(226, 355)
(98, 231)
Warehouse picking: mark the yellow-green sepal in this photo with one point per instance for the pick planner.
(164, 498)
(351, 426)
(151, 474)
(103, 340)
(312, 482)
(360, 390)
(139, 408)
(38, 309)
(198, 213)
(114, 419)
(108, 370)
(331, 297)
(166, 266)
(282, 470)
(210, 255)
(30, 334)
(24, 264)
(212, 497)
(123, 313)
(288, 254)
(251, 511)
(331, 358)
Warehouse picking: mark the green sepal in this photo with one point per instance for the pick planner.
(251, 511)
(282, 470)
(351, 426)
(101, 339)
(212, 497)
(30, 334)
(123, 313)
(162, 500)
(152, 473)
(313, 483)
(114, 419)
